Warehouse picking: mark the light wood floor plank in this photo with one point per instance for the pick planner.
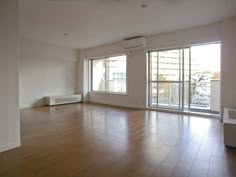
(89, 140)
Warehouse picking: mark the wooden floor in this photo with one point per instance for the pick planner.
(99, 141)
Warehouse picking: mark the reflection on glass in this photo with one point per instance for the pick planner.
(109, 74)
(153, 94)
(169, 65)
(168, 95)
(153, 66)
(186, 78)
(116, 75)
(98, 75)
(205, 77)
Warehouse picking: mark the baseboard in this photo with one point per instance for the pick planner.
(10, 146)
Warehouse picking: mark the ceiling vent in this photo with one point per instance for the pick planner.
(134, 43)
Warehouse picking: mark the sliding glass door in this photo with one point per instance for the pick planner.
(166, 78)
(185, 78)
(205, 78)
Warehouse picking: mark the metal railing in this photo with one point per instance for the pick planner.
(168, 94)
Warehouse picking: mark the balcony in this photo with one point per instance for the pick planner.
(204, 95)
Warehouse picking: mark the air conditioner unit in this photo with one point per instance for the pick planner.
(134, 43)
(63, 99)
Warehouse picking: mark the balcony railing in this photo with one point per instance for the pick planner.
(204, 95)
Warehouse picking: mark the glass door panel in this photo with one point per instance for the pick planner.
(205, 77)
(169, 65)
(153, 94)
(168, 95)
(153, 66)
(169, 79)
(186, 78)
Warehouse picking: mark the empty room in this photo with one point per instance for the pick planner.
(118, 88)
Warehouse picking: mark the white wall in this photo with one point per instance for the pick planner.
(45, 70)
(187, 37)
(136, 96)
(228, 64)
(215, 98)
(9, 97)
(83, 76)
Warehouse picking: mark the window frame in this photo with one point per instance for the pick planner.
(106, 71)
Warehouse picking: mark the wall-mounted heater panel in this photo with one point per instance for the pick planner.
(63, 99)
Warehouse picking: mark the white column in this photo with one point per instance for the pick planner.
(9, 76)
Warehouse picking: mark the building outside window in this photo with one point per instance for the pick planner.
(109, 74)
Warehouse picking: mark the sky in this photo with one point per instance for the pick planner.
(207, 56)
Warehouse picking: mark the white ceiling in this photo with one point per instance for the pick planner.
(90, 23)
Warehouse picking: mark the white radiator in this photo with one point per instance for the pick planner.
(63, 99)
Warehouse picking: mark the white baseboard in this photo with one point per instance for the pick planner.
(10, 146)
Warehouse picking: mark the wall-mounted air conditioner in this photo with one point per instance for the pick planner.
(134, 43)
